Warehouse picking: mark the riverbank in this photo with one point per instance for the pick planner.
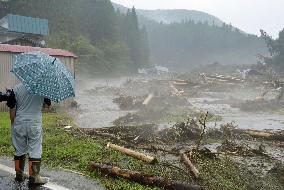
(74, 149)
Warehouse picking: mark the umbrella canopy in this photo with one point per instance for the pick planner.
(44, 75)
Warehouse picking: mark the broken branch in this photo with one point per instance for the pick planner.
(192, 168)
(277, 136)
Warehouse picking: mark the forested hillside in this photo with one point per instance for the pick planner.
(175, 15)
(105, 40)
(109, 39)
(189, 44)
(185, 38)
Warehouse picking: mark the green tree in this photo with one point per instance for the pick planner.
(276, 49)
(145, 50)
(118, 38)
(104, 40)
(188, 44)
(136, 40)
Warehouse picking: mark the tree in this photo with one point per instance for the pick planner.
(188, 44)
(276, 49)
(104, 40)
(145, 50)
(136, 40)
(270, 43)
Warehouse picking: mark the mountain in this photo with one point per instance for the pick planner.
(180, 39)
(177, 15)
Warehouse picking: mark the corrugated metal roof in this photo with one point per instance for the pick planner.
(23, 24)
(23, 49)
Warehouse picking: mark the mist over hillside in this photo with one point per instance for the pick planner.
(175, 15)
(170, 16)
(182, 39)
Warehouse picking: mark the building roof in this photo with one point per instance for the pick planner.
(24, 49)
(23, 24)
(26, 40)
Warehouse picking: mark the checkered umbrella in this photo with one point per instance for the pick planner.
(44, 75)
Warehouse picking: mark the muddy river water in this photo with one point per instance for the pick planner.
(244, 120)
(97, 109)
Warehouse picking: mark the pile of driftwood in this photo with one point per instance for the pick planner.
(125, 134)
(129, 102)
(181, 132)
(232, 148)
(221, 78)
(187, 155)
(147, 133)
(148, 139)
(177, 82)
(184, 130)
(147, 179)
(128, 119)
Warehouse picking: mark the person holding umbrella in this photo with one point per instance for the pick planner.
(27, 133)
(43, 78)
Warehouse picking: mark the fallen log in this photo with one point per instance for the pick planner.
(273, 136)
(259, 134)
(188, 163)
(222, 78)
(180, 83)
(132, 153)
(144, 179)
(148, 99)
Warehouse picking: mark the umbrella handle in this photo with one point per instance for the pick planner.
(53, 61)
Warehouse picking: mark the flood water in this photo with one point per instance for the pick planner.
(97, 109)
(243, 120)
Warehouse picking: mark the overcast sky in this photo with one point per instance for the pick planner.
(248, 15)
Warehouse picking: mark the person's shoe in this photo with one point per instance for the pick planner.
(35, 179)
(21, 177)
(20, 168)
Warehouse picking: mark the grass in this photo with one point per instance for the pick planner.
(70, 150)
(62, 149)
(66, 150)
(226, 175)
(5, 135)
